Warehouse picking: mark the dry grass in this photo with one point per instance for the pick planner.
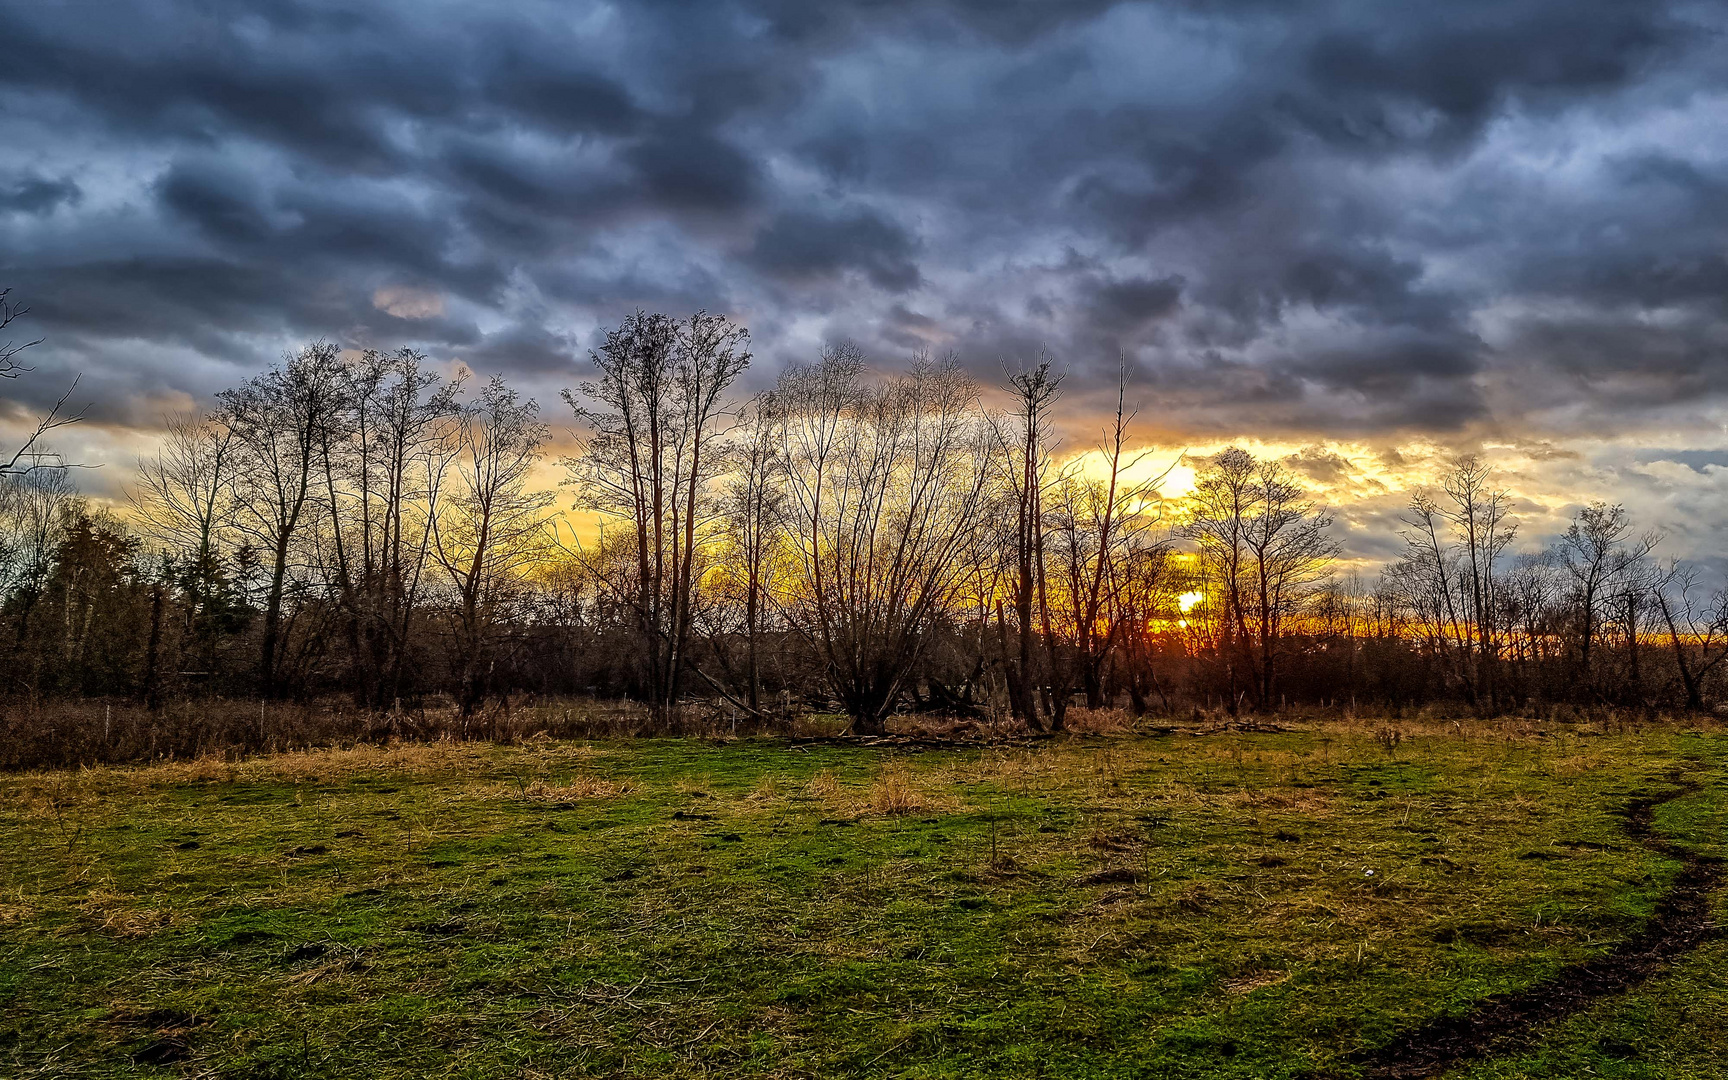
(118, 914)
(1099, 721)
(320, 766)
(767, 790)
(700, 785)
(1305, 802)
(73, 732)
(578, 788)
(895, 792)
(12, 914)
(823, 785)
(817, 725)
(327, 765)
(1250, 981)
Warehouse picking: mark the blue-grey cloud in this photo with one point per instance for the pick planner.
(1321, 218)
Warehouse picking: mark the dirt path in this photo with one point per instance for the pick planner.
(1508, 1021)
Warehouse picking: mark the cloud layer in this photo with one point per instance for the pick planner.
(1482, 222)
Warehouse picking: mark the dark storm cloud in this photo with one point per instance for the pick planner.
(686, 167)
(1460, 64)
(571, 102)
(801, 245)
(30, 194)
(1123, 306)
(1316, 219)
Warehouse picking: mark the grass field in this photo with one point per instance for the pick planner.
(1184, 905)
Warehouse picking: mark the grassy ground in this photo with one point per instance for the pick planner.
(1218, 905)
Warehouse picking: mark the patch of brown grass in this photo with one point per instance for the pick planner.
(11, 914)
(114, 913)
(1194, 899)
(1098, 721)
(1307, 802)
(320, 766)
(824, 785)
(1581, 764)
(578, 788)
(1250, 981)
(950, 728)
(767, 790)
(894, 792)
(1103, 838)
(700, 786)
(818, 725)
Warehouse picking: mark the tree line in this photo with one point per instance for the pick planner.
(362, 527)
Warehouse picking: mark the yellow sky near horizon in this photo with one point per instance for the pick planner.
(1366, 484)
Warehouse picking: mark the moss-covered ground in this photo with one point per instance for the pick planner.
(1192, 904)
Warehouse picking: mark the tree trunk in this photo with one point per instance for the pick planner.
(272, 621)
(1019, 699)
(153, 653)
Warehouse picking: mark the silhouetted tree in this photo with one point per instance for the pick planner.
(30, 454)
(1597, 551)
(886, 484)
(1265, 548)
(494, 530)
(281, 422)
(650, 462)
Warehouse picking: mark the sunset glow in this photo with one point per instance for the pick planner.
(820, 538)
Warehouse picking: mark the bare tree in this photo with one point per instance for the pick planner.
(651, 461)
(1266, 548)
(1630, 603)
(280, 421)
(1024, 450)
(753, 507)
(1143, 604)
(183, 496)
(384, 466)
(1597, 551)
(493, 530)
(1291, 549)
(182, 491)
(10, 312)
(1697, 629)
(1455, 541)
(1478, 513)
(1531, 591)
(35, 508)
(30, 454)
(885, 491)
(1223, 500)
(1098, 529)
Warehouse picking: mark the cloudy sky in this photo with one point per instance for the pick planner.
(1364, 235)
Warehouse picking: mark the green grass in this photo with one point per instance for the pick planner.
(1225, 905)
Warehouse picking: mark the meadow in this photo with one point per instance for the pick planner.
(1323, 899)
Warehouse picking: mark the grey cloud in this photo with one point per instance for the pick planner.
(1303, 218)
(565, 101)
(1320, 464)
(222, 203)
(1126, 306)
(685, 167)
(33, 194)
(797, 244)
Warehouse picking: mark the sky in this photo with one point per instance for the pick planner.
(1357, 236)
